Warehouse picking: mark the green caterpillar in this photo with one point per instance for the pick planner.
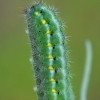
(48, 53)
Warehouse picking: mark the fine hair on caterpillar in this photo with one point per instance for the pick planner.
(50, 62)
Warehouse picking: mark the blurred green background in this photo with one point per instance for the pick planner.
(82, 18)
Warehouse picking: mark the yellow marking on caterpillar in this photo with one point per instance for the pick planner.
(52, 80)
(49, 44)
(51, 68)
(50, 56)
(48, 32)
(36, 13)
(53, 91)
(43, 21)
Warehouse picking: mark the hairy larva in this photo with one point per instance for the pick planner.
(48, 53)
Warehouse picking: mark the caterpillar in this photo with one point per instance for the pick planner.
(48, 48)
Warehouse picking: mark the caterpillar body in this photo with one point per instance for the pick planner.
(48, 53)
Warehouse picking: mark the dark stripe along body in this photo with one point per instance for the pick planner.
(49, 53)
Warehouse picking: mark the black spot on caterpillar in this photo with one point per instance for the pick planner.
(48, 53)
